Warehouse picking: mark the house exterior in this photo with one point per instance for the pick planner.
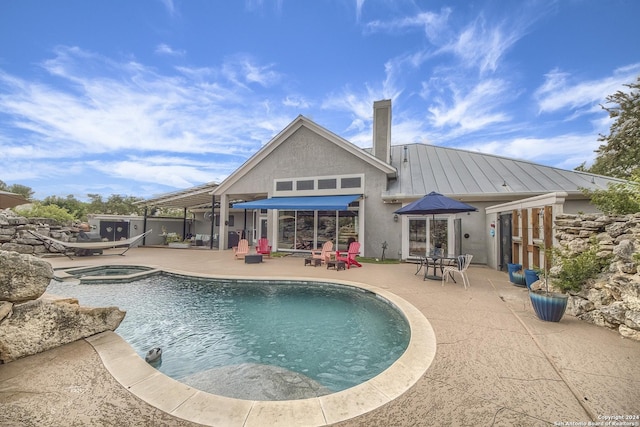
(308, 185)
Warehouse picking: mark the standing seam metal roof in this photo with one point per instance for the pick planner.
(462, 173)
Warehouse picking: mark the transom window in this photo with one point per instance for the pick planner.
(318, 186)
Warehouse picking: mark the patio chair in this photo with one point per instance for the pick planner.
(461, 268)
(350, 257)
(242, 249)
(324, 254)
(263, 248)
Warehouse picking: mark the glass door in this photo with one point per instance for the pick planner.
(417, 237)
(428, 236)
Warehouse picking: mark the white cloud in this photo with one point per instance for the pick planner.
(165, 49)
(170, 6)
(100, 106)
(563, 151)
(296, 101)
(471, 110)
(563, 92)
(433, 24)
(482, 45)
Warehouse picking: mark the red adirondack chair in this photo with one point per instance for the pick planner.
(264, 248)
(349, 258)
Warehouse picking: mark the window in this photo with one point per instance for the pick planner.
(304, 185)
(327, 184)
(284, 185)
(350, 182)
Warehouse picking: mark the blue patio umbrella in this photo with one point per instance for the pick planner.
(435, 203)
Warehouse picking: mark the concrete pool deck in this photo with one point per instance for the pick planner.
(495, 362)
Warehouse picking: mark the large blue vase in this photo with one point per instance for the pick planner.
(514, 277)
(549, 306)
(530, 277)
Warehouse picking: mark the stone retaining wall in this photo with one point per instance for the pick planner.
(612, 299)
(15, 235)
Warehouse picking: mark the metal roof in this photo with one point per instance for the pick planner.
(193, 197)
(469, 175)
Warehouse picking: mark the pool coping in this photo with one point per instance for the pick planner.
(191, 404)
(66, 274)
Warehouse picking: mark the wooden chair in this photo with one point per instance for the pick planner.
(242, 249)
(461, 268)
(324, 254)
(264, 248)
(350, 257)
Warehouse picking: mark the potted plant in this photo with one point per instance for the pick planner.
(174, 240)
(549, 306)
(568, 274)
(515, 274)
(530, 277)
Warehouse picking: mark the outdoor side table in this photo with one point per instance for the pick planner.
(338, 265)
(252, 259)
(312, 261)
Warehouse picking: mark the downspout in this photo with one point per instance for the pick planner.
(144, 226)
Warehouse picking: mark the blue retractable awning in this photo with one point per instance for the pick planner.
(309, 203)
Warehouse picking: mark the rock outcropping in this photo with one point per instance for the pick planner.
(613, 299)
(30, 322)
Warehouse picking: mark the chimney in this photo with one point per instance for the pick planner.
(382, 130)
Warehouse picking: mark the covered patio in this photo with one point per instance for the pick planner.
(495, 362)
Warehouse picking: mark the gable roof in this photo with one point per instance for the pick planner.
(476, 176)
(281, 137)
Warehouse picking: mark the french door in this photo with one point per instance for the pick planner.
(428, 234)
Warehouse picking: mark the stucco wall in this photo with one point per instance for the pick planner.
(307, 154)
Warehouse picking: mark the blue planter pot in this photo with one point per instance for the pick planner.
(530, 277)
(549, 307)
(514, 277)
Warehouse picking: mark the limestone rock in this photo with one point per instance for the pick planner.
(40, 325)
(577, 306)
(615, 313)
(632, 319)
(5, 309)
(16, 247)
(629, 333)
(23, 277)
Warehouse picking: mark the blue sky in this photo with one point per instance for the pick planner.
(149, 96)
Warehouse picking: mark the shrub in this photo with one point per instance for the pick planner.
(575, 270)
(55, 212)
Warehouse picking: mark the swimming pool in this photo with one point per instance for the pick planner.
(337, 336)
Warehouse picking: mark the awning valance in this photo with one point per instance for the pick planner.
(310, 203)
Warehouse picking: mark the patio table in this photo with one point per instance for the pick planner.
(435, 261)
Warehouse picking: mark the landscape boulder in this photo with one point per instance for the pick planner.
(23, 277)
(31, 321)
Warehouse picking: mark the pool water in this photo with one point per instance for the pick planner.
(337, 335)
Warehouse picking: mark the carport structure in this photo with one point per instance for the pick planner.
(195, 199)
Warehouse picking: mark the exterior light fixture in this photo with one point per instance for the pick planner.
(395, 218)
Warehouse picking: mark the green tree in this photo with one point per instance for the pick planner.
(619, 156)
(618, 199)
(74, 206)
(114, 205)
